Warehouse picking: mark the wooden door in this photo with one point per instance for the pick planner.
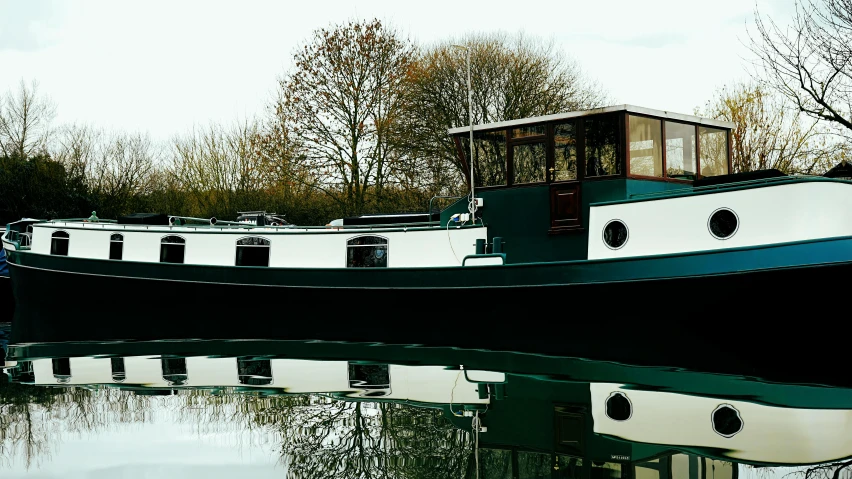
(565, 206)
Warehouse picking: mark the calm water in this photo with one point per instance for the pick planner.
(338, 410)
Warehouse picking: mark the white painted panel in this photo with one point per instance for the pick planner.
(144, 371)
(303, 376)
(484, 261)
(432, 384)
(768, 215)
(291, 248)
(769, 434)
(202, 371)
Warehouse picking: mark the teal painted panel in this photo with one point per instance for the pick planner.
(641, 187)
(521, 216)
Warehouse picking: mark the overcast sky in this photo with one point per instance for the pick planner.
(163, 66)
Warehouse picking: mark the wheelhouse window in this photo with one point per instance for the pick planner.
(565, 152)
(713, 148)
(646, 150)
(59, 243)
(116, 246)
(367, 252)
(252, 251)
(680, 151)
(529, 163)
(489, 157)
(602, 156)
(172, 249)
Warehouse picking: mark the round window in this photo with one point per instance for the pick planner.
(615, 234)
(726, 420)
(723, 223)
(618, 407)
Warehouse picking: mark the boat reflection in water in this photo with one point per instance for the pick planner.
(347, 410)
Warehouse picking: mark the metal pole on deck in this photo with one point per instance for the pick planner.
(471, 207)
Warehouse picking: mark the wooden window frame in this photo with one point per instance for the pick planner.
(581, 148)
(623, 118)
(665, 178)
(511, 142)
(727, 131)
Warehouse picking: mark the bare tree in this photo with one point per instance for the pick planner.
(340, 104)
(220, 167)
(771, 134)
(76, 147)
(512, 77)
(25, 118)
(121, 171)
(810, 61)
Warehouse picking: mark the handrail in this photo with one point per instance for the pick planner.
(502, 257)
(84, 220)
(444, 197)
(430, 224)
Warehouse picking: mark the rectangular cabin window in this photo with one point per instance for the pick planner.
(116, 246)
(373, 379)
(172, 249)
(529, 163)
(680, 151)
(253, 251)
(367, 252)
(119, 373)
(254, 372)
(174, 371)
(646, 149)
(61, 367)
(565, 152)
(59, 243)
(489, 157)
(713, 148)
(602, 155)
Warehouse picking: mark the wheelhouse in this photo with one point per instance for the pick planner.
(567, 161)
(605, 143)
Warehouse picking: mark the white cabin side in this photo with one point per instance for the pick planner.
(427, 384)
(765, 215)
(767, 434)
(289, 248)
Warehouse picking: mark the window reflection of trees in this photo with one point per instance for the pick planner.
(565, 152)
(601, 146)
(529, 163)
(713, 151)
(489, 157)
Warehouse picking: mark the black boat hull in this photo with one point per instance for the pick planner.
(7, 300)
(753, 323)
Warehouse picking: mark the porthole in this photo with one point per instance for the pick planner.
(615, 234)
(618, 407)
(723, 223)
(726, 420)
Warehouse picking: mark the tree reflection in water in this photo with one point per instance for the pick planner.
(323, 437)
(316, 436)
(35, 418)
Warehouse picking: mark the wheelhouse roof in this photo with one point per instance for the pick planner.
(597, 111)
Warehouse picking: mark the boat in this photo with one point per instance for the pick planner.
(587, 224)
(6, 298)
(657, 420)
